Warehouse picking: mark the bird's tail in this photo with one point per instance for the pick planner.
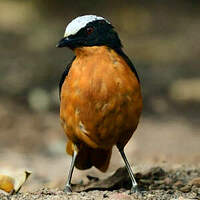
(88, 157)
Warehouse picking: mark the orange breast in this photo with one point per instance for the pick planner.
(101, 99)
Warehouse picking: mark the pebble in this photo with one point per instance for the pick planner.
(185, 188)
(167, 181)
(195, 181)
(178, 184)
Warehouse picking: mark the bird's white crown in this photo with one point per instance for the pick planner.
(76, 24)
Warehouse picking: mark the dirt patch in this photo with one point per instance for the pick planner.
(155, 183)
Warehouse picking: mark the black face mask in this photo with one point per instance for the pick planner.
(96, 33)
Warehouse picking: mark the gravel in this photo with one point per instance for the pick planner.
(156, 183)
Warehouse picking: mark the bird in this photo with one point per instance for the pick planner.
(100, 96)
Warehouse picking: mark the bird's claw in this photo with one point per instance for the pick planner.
(68, 189)
(134, 189)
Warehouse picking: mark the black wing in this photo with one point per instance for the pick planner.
(65, 73)
(128, 61)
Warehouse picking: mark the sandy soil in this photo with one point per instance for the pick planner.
(155, 183)
(36, 141)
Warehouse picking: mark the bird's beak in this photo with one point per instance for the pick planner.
(63, 42)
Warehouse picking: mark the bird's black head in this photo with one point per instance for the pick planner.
(90, 30)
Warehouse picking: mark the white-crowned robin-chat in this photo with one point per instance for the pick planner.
(100, 95)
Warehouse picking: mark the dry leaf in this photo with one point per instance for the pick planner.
(11, 182)
(6, 183)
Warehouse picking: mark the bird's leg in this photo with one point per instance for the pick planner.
(134, 187)
(68, 184)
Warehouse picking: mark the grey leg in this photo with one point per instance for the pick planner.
(134, 187)
(68, 184)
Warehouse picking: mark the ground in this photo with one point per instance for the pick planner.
(156, 183)
(164, 154)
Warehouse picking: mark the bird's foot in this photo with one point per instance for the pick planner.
(68, 189)
(134, 189)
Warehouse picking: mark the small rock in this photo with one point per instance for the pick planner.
(168, 181)
(178, 184)
(195, 181)
(185, 188)
(146, 181)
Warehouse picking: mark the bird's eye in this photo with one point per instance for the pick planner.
(89, 30)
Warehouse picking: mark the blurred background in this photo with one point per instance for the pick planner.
(160, 37)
